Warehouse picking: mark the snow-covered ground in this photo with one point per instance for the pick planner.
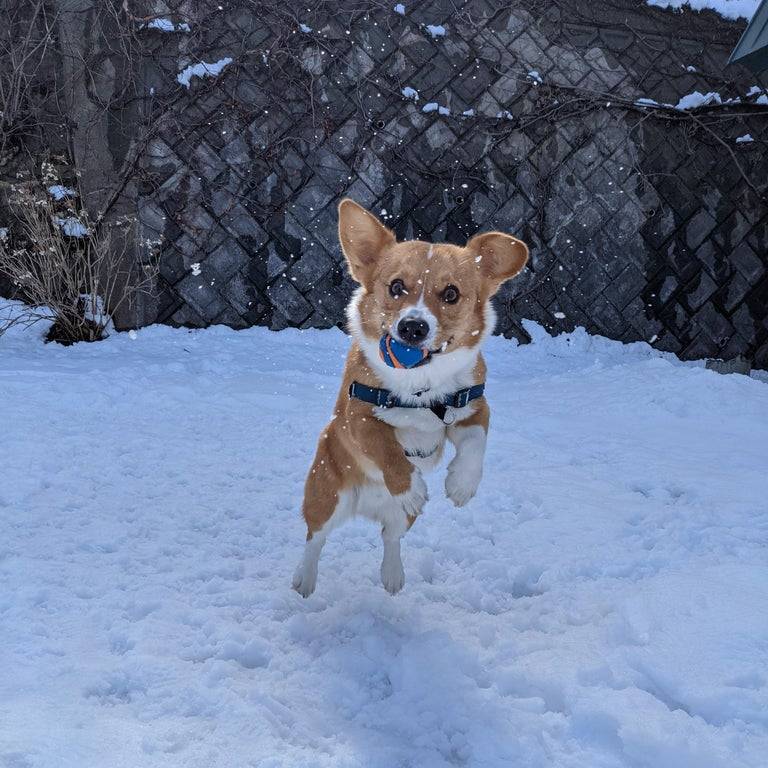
(602, 602)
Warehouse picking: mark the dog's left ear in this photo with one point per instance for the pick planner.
(499, 256)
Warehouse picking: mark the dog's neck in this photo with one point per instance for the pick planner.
(446, 372)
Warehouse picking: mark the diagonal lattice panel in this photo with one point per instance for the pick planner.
(644, 222)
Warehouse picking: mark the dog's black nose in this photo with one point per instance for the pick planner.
(412, 331)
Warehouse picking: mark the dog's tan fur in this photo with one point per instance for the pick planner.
(359, 450)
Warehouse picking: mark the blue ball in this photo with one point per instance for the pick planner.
(398, 355)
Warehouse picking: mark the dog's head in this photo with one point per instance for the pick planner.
(435, 297)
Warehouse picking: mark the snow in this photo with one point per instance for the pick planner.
(60, 192)
(745, 139)
(202, 69)
(762, 99)
(534, 75)
(730, 9)
(305, 28)
(754, 90)
(646, 102)
(436, 30)
(601, 602)
(698, 99)
(71, 226)
(410, 93)
(689, 101)
(166, 25)
(433, 106)
(3, 234)
(399, 8)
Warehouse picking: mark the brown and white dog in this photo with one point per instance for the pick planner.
(370, 458)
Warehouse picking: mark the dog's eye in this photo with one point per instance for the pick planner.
(397, 288)
(450, 294)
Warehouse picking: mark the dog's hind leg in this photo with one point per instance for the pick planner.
(323, 502)
(392, 571)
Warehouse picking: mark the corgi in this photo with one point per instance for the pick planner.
(414, 378)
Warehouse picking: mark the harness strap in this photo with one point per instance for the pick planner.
(383, 398)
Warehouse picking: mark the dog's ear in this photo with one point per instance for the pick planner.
(499, 257)
(362, 238)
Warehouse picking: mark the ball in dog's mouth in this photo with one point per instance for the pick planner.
(396, 354)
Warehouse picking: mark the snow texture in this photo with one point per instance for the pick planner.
(745, 139)
(202, 69)
(689, 101)
(410, 93)
(305, 28)
(730, 9)
(698, 99)
(60, 192)
(601, 603)
(3, 234)
(71, 226)
(433, 106)
(436, 30)
(166, 25)
(399, 8)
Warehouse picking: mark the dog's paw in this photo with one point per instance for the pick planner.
(304, 580)
(392, 574)
(462, 481)
(414, 499)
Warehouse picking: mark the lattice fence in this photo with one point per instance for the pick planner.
(645, 222)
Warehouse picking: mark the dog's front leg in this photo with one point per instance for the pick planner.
(466, 469)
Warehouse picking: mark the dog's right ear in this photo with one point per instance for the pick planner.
(362, 238)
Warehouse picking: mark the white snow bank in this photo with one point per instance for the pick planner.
(410, 93)
(745, 139)
(202, 69)
(603, 600)
(731, 9)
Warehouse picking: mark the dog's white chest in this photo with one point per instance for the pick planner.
(419, 432)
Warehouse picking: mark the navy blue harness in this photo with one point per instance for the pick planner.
(385, 399)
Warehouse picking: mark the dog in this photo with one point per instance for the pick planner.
(414, 377)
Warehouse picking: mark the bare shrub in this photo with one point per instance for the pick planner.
(65, 266)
